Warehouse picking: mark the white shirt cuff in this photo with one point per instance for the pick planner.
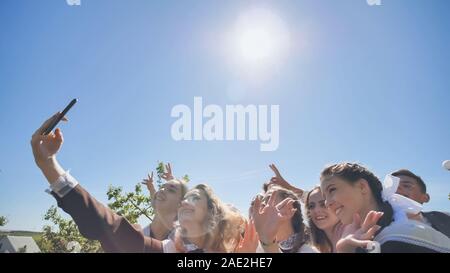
(63, 185)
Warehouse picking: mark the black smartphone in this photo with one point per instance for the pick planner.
(56, 121)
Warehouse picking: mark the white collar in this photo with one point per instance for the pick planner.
(415, 233)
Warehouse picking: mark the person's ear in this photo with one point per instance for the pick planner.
(363, 185)
(426, 198)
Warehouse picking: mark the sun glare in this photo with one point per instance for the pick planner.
(260, 38)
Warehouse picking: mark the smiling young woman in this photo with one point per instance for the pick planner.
(322, 221)
(354, 193)
(206, 224)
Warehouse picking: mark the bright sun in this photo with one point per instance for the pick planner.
(260, 38)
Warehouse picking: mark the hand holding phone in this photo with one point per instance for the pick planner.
(55, 122)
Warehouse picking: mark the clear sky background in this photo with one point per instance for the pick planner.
(358, 83)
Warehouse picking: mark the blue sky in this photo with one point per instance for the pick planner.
(359, 83)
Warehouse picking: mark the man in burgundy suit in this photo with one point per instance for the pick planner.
(95, 221)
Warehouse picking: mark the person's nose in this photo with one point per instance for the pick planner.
(184, 203)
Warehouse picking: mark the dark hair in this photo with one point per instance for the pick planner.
(302, 234)
(318, 237)
(408, 173)
(351, 173)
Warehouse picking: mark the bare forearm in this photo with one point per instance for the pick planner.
(51, 169)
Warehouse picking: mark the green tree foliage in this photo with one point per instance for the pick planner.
(3, 221)
(63, 234)
(131, 205)
(57, 237)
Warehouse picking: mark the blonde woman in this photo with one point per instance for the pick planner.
(206, 224)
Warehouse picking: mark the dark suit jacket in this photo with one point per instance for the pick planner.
(439, 221)
(98, 222)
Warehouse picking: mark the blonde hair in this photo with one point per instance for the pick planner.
(222, 226)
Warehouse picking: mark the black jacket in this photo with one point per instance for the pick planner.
(439, 221)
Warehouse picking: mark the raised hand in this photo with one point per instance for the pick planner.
(279, 180)
(249, 242)
(167, 175)
(45, 147)
(356, 235)
(268, 217)
(150, 186)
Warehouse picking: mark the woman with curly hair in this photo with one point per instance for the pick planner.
(206, 224)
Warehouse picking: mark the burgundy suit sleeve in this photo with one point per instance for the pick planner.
(98, 222)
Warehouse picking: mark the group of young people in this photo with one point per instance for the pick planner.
(350, 211)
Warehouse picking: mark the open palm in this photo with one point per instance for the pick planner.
(268, 217)
(356, 235)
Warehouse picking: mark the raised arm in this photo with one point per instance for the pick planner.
(268, 219)
(95, 221)
(279, 180)
(150, 186)
(167, 175)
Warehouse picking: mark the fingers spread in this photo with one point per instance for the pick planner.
(288, 202)
(272, 200)
(369, 235)
(371, 220)
(257, 206)
(286, 215)
(275, 170)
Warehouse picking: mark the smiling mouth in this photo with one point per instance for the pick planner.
(187, 211)
(321, 218)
